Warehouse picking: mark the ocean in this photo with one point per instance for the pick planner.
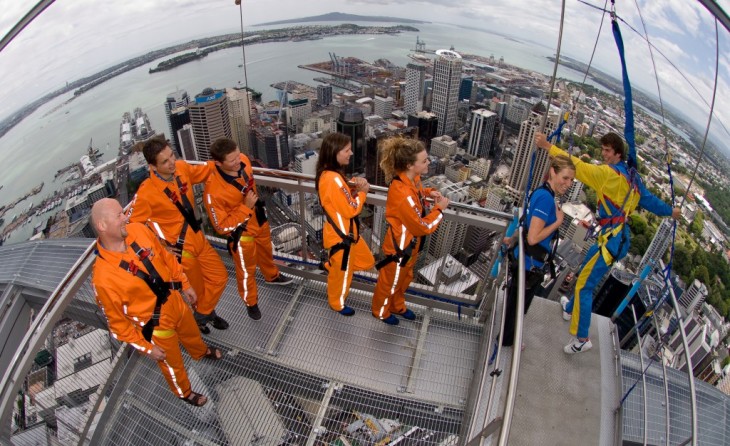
(47, 140)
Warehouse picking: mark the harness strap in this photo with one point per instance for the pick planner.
(347, 239)
(249, 184)
(185, 208)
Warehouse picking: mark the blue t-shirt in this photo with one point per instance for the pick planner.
(542, 205)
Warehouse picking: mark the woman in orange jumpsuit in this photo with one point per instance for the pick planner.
(348, 252)
(403, 161)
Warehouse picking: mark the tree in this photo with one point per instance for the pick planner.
(682, 262)
(590, 199)
(695, 228)
(700, 273)
(639, 244)
(638, 224)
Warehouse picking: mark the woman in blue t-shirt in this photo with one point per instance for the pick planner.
(542, 220)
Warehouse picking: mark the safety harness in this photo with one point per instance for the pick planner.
(152, 278)
(187, 211)
(347, 239)
(402, 256)
(537, 251)
(235, 235)
(615, 223)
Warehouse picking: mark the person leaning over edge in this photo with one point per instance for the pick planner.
(543, 218)
(142, 290)
(403, 161)
(619, 191)
(236, 211)
(165, 202)
(342, 205)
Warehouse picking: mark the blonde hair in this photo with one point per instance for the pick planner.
(397, 153)
(560, 162)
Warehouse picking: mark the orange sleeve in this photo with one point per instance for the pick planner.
(406, 208)
(111, 304)
(224, 217)
(336, 197)
(197, 171)
(139, 210)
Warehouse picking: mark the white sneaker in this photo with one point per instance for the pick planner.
(576, 346)
(564, 304)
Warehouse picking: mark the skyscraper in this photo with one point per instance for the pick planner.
(324, 95)
(210, 119)
(694, 296)
(187, 143)
(415, 77)
(659, 244)
(427, 125)
(351, 122)
(520, 169)
(446, 81)
(383, 106)
(239, 109)
(177, 119)
(482, 132)
(174, 101)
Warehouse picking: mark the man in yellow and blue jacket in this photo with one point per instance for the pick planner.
(619, 191)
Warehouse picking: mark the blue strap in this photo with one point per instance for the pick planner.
(556, 133)
(628, 103)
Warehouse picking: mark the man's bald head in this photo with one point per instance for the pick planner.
(104, 213)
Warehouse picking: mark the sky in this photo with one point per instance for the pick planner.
(73, 38)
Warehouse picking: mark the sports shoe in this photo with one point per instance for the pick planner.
(218, 322)
(577, 346)
(390, 320)
(347, 311)
(564, 304)
(408, 314)
(281, 280)
(254, 312)
(204, 328)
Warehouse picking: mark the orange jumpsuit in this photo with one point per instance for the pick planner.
(403, 212)
(128, 303)
(339, 203)
(226, 208)
(201, 262)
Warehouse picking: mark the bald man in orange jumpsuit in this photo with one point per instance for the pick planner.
(165, 203)
(235, 211)
(131, 261)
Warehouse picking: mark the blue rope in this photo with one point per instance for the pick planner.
(554, 134)
(628, 103)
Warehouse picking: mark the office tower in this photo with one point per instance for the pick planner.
(239, 109)
(448, 239)
(481, 135)
(520, 169)
(443, 146)
(177, 119)
(693, 297)
(427, 125)
(446, 81)
(324, 95)
(383, 106)
(174, 101)
(210, 119)
(306, 162)
(415, 77)
(465, 88)
(187, 143)
(573, 193)
(297, 111)
(427, 94)
(659, 244)
(271, 146)
(351, 122)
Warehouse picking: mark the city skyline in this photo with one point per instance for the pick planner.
(123, 30)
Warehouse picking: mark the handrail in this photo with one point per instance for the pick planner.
(13, 376)
(516, 350)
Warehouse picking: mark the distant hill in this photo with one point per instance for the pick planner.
(341, 17)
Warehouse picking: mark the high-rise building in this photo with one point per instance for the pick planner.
(415, 78)
(271, 146)
(306, 162)
(520, 169)
(446, 81)
(383, 106)
(465, 88)
(482, 133)
(351, 122)
(574, 191)
(187, 143)
(177, 119)
(443, 146)
(239, 108)
(659, 244)
(427, 125)
(210, 120)
(324, 95)
(694, 296)
(174, 101)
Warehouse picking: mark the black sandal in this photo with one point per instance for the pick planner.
(213, 353)
(195, 399)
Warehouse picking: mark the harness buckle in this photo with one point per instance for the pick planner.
(133, 268)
